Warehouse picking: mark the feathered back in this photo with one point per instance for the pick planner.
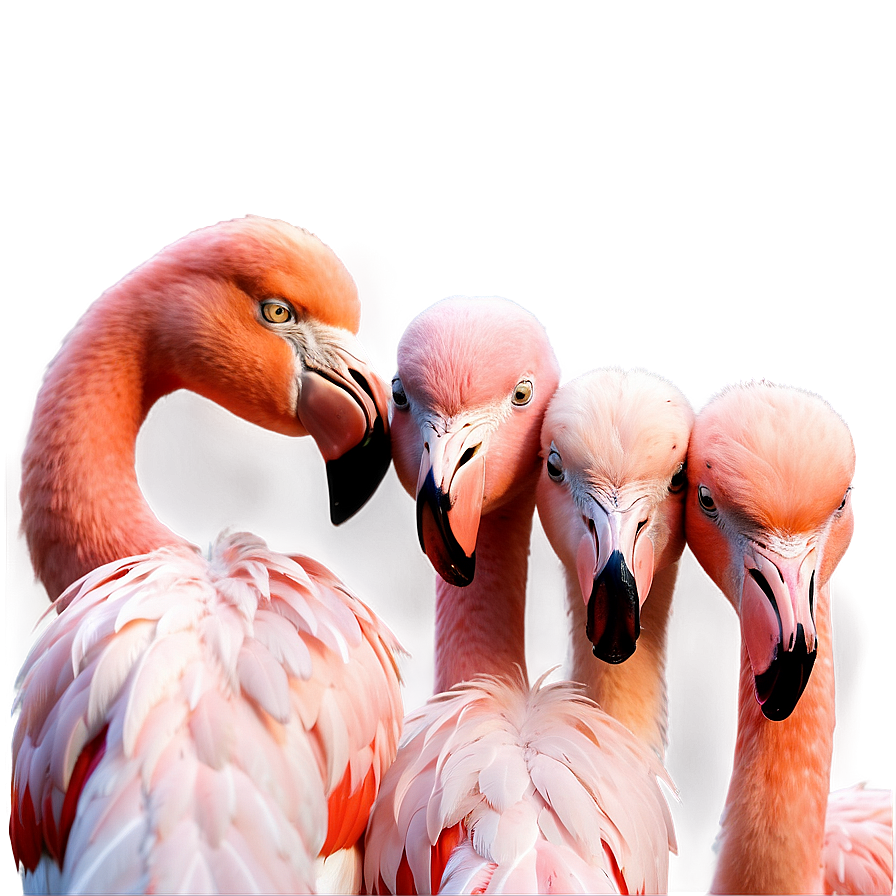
(536, 791)
(781, 457)
(199, 715)
(858, 841)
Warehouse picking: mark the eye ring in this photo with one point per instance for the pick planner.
(679, 478)
(706, 501)
(554, 464)
(523, 393)
(276, 312)
(399, 398)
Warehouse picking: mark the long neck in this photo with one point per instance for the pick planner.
(634, 692)
(773, 824)
(81, 504)
(480, 629)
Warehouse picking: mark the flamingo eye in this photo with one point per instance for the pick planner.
(399, 398)
(555, 465)
(845, 499)
(276, 312)
(679, 477)
(523, 393)
(706, 501)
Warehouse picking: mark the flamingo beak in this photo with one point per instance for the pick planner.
(345, 410)
(615, 567)
(778, 626)
(450, 490)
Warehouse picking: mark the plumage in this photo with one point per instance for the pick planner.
(858, 841)
(532, 775)
(185, 722)
(769, 516)
(187, 693)
(498, 786)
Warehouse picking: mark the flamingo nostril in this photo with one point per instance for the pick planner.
(812, 596)
(469, 454)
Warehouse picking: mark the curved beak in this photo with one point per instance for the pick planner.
(450, 490)
(344, 407)
(777, 618)
(615, 566)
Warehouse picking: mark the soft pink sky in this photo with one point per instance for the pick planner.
(703, 189)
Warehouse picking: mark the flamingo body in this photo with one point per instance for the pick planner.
(193, 723)
(210, 699)
(500, 788)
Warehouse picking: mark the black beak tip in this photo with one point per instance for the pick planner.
(353, 478)
(779, 688)
(457, 571)
(613, 622)
(615, 653)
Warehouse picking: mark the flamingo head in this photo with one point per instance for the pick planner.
(768, 517)
(474, 378)
(264, 324)
(611, 494)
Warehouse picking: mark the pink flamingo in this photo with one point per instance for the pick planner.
(190, 723)
(611, 501)
(768, 517)
(498, 787)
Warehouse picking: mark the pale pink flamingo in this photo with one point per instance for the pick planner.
(769, 516)
(498, 787)
(190, 723)
(611, 501)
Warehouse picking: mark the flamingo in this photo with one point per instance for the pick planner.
(185, 722)
(498, 786)
(769, 515)
(611, 500)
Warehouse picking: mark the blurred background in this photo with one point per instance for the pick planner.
(700, 189)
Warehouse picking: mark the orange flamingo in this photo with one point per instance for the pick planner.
(498, 787)
(190, 723)
(611, 501)
(768, 517)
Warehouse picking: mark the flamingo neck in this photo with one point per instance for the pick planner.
(773, 823)
(480, 629)
(81, 504)
(634, 692)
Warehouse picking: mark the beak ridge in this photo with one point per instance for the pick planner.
(778, 627)
(346, 413)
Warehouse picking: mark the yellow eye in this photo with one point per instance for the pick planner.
(276, 312)
(522, 394)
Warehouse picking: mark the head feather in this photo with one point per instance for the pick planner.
(777, 455)
(615, 425)
(470, 352)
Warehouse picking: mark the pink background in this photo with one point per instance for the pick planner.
(706, 190)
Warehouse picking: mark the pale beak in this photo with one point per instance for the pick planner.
(450, 491)
(615, 567)
(777, 617)
(345, 409)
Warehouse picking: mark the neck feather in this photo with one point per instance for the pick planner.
(480, 629)
(773, 824)
(81, 504)
(634, 692)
